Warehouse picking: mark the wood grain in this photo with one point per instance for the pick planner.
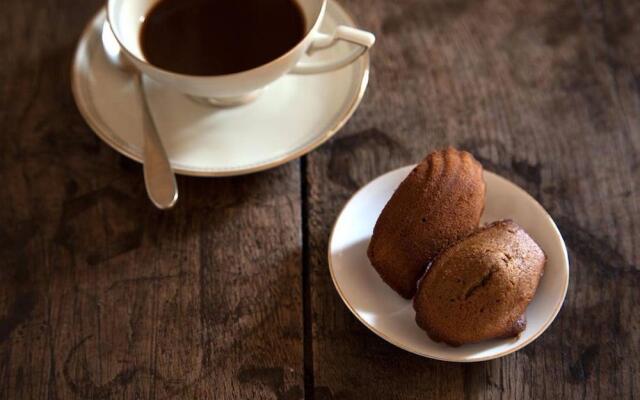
(545, 93)
(101, 296)
(229, 295)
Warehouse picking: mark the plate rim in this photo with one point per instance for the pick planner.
(319, 139)
(544, 327)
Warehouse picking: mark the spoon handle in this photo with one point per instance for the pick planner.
(159, 179)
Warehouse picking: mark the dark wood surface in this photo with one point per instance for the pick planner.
(229, 295)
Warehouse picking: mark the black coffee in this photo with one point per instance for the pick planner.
(217, 37)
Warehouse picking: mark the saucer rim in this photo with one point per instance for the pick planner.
(552, 316)
(99, 128)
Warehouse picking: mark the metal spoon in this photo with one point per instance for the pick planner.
(159, 179)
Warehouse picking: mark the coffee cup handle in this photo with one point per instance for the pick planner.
(362, 40)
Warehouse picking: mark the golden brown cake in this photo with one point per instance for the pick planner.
(479, 288)
(438, 203)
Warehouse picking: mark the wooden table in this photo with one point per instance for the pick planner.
(229, 295)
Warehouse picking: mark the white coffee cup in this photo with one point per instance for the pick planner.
(126, 18)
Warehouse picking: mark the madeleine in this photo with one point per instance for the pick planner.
(479, 288)
(438, 203)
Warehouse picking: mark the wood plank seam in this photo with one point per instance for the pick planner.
(307, 317)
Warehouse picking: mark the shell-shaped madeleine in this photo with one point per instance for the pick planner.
(438, 203)
(479, 288)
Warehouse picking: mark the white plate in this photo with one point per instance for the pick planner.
(392, 317)
(293, 116)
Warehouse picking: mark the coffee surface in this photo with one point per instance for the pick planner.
(218, 37)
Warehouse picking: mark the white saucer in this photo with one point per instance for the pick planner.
(392, 317)
(294, 115)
